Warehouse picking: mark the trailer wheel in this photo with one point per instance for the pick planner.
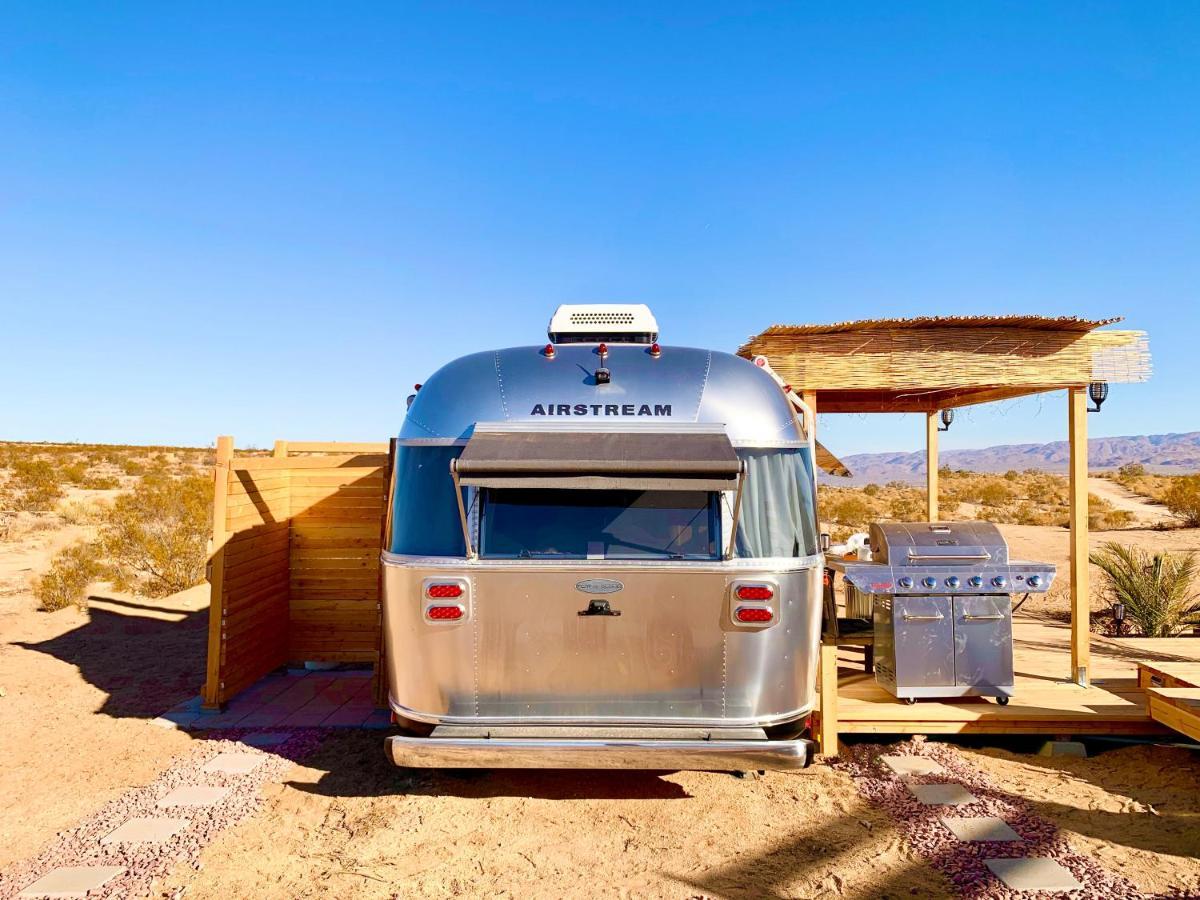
(1003, 701)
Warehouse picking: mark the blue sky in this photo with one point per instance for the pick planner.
(271, 219)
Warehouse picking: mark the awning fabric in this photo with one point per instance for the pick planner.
(827, 462)
(632, 460)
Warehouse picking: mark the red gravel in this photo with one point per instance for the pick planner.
(962, 861)
(80, 846)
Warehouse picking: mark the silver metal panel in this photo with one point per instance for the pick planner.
(924, 641)
(673, 655)
(615, 753)
(938, 543)
(983, 642)
(878, 578)
(683, 385)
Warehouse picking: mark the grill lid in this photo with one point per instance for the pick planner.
(904, 544)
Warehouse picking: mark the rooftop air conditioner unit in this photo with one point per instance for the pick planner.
(594, 323)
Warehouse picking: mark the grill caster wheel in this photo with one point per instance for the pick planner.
(1003, 701)
(910, 700)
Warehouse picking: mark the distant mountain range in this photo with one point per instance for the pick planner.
(1163, 453)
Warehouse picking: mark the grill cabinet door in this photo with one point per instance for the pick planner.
(924, 628)
(983, 640)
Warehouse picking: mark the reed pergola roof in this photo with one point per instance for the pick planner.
(928, 363)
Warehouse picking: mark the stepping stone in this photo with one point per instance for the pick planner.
(980, 828)
(1034, 874)
(266, 738)
(234, 763)
(71, 881)
(194, 795)
(145, 830)
(941, 794)
(905, 766)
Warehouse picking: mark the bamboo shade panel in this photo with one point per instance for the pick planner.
(941, 357)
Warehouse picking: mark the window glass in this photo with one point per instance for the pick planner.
(778, 515)
(599, 524)
(425, 519)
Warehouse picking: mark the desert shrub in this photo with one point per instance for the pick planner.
(73, 472)
(155, 538)
(131, 466)
(907, 507)
(33, 485)
(1183, 499)
(66, 582)
(994, 492)
(1131, 470)
(1155, 588)
(100, 483)
(849, 509)
(871, 490)
(1103, 516)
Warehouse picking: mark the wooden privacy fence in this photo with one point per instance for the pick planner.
(294, 570)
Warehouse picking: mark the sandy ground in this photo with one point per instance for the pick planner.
(1145, 512)
(79, 690)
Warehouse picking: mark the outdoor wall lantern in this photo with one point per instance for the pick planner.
(947, 419)
(1098, 391)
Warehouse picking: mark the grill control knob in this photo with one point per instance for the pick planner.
(905, 582)
(1034, 581)
(929, 581)
(975, 581)
(952, 582)
(1000, 581)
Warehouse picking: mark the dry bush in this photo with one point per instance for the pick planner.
(66, 582)
(32, 486)
(155, 538)
(1103, 516)
(100, 483)
(82, 512)
(1155, 588)
(1183, 499)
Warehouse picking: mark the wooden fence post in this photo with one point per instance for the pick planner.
(281, 450)
(213, 693)
(827, 736)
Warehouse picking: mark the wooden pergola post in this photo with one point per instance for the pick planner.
(931, 466)
(1080, 576)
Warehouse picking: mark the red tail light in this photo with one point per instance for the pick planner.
(444, 613)
(444, 591)
(755, 592)
(754, 615)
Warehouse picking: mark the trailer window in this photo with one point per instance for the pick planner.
(520, 523)
(778, 516)
(425, 519)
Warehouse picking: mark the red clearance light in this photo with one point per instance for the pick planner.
(444, 591)
(602, 349)
(444, 613)
(755, 592)
(549, 351)
(754, 614)
(655, 350)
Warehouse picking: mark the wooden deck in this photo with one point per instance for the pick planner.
(1046, 702)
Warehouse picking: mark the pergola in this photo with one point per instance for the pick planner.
(929, 364)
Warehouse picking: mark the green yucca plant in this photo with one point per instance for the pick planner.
(1155, 588)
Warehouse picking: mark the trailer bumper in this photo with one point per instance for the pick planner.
(449, 750)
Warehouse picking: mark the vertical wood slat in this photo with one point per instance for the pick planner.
(379, 684)
(212, 693)
(931, 466)
(1080, 575)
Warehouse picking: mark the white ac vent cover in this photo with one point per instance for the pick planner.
(617, 323)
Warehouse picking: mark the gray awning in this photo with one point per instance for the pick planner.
(632, 460)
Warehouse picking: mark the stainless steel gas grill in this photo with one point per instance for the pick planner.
(942, 607)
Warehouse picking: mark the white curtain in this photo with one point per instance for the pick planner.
(778, 516)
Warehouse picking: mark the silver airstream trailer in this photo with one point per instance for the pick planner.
(602, 552)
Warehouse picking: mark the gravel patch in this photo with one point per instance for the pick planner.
(962, 862)
(144, 862)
